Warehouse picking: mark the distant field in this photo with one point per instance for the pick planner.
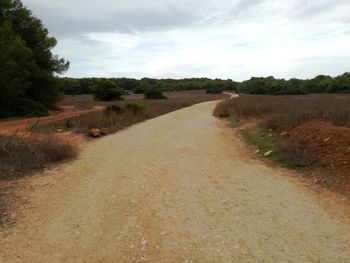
(125, 113)
(88, 100)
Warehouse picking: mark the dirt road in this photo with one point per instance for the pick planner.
(178, 188)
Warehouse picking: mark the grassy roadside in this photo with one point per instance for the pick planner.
(309, 133)
(260, 140)
(270, 147)
(122, 114)
(20, 156)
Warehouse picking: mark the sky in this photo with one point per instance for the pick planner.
(234, 39)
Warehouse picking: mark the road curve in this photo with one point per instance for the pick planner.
(178, 188)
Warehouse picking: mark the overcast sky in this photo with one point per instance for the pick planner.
(199, 38)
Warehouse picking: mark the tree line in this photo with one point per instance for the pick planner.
(28, 68)
(29, 82)
(73, 86)
(319, 84)
(268, 85)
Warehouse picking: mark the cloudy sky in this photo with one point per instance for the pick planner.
(199, 38)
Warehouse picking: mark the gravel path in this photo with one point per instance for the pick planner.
(178, 188)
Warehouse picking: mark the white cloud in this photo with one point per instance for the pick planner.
(226, 39)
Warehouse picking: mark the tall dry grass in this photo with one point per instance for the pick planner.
(21, 155)
(122, 114)
(286, 112)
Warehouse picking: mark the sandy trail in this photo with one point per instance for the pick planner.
(178, 188)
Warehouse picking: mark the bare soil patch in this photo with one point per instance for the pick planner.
(328, 144)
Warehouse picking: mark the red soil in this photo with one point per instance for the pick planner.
(20, 125)
(328, 144)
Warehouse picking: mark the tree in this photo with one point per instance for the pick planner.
(340, 84)
(107, 90)
(14, 60)
(32, 46)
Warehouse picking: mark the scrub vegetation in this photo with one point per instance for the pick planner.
(308, 132)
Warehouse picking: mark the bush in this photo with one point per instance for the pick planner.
(107, 90)
(154, 94)
(23, 107)
(134, 107)
(139, 90)
(113, 108)
(19, 156)
(214, 91)
(27, 107)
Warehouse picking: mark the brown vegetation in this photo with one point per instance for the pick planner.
(121, 114)
(285, 112)
(22, 155)
(86, 101)
(310, 131)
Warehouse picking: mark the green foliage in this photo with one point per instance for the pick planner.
(319, 84)
(154, 94)
(139, 90)
(27, 65)
(83, 86)
(107, 90)
(283, 154)
(26, 107)
(144, 86)
(259, 139)
(14, 73)
(214, 91)
(271, 85)
(134, 107)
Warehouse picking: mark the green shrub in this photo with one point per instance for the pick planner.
(26, 107)
(134, 107)
(154, 94)
(139, 90)
(107, 90)
(214, 91)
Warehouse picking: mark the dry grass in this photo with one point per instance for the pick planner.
(285, 112)
(309, 132)
(131, 111)
(86, 101)
(20, 156)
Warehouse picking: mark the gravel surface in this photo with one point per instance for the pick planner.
(178, 188)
